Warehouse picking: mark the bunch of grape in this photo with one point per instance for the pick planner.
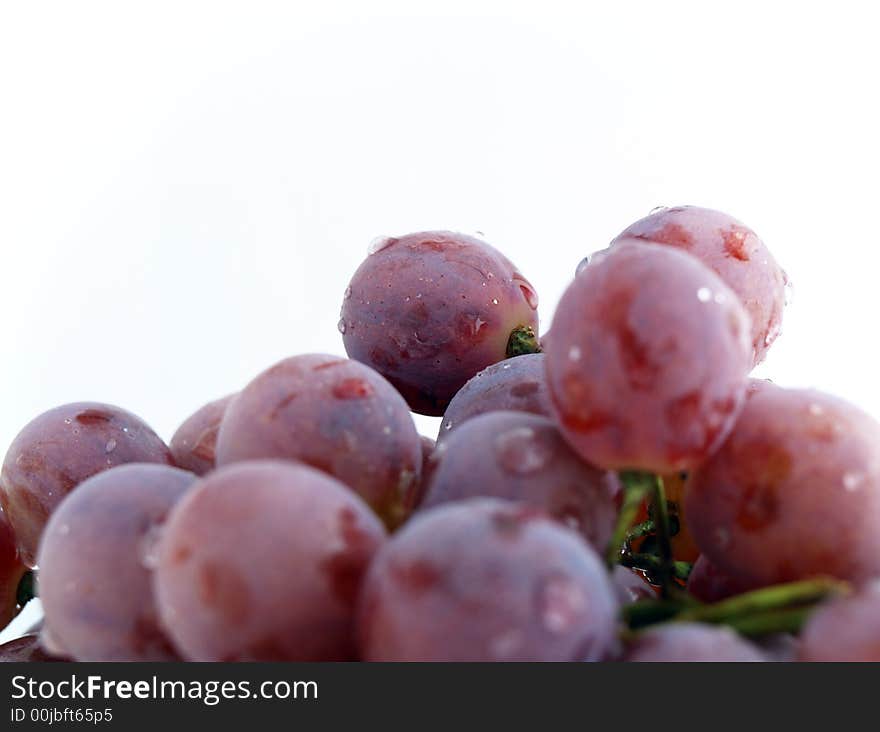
(618, 490)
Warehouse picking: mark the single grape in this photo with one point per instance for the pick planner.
(11, 571)
(336, 415)
(734, 252)
(793, 493)
(708, 583)
(648, 361)
(846, 629)
(631, 586)
(486, 580)
(262, 561)
(516, 384)
(695, 642)
(429, 310)
(26, 649)
(60, 449)
(96, 560)
(522, 457)
(194, 444)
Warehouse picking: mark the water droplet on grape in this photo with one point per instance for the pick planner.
(574, 353)
(582, 265)
(520, 451)
(68, 421)
(380, 243)
(704, 294)
(478, 323)
(494, 300)
(531, 297)
(447, 425)
(347, 293)
(656, 209)
(110, 446)
(341, 326)
(561, 603)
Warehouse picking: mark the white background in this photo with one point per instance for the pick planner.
(185, 189)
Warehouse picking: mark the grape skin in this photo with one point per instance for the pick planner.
(95, 564)
(429, 310)
(522, 457)
(516, 384)
(846, 629)
(262, 561)
(57, 451)
(734, 252)
(648, 361)
(708, 583)
(793, 493)
(486, 580)
(630, 585)
(11, 571)
(336, 415)
(194, 443)
(691, 642)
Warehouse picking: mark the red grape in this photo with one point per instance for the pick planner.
(709, 584)
(522, 457)
(734, 252)
(11, 571)
(262, 561)
(96, 564)
(194, 444)
(516, 384)
(61, 448)
(336, 415)
(486, 580)
(793, 493)
(846, 629)
(648, 361)
(677, 642)
(429, 310)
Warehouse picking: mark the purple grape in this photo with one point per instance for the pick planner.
(522, 457)
(12, 569)
(734, 252)
(683, 642)
(96, 565)
(26, 649)
(336, 415)
(262, 561)
(486, 580)
(60, 449)
(516, 384)
(429, 310)
(648, 361)
(194, 444)
(846, 629)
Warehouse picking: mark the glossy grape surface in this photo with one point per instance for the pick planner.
(336, 415)
(515, 384)
(734, 252)
(486, 580)
(96, 562)
(431, 309)
(194, 443)
(522, 457)
(793, 493)
(61, 448)
(262, 561)
(648, 361)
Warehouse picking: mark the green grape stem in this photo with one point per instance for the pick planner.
(522, 341)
